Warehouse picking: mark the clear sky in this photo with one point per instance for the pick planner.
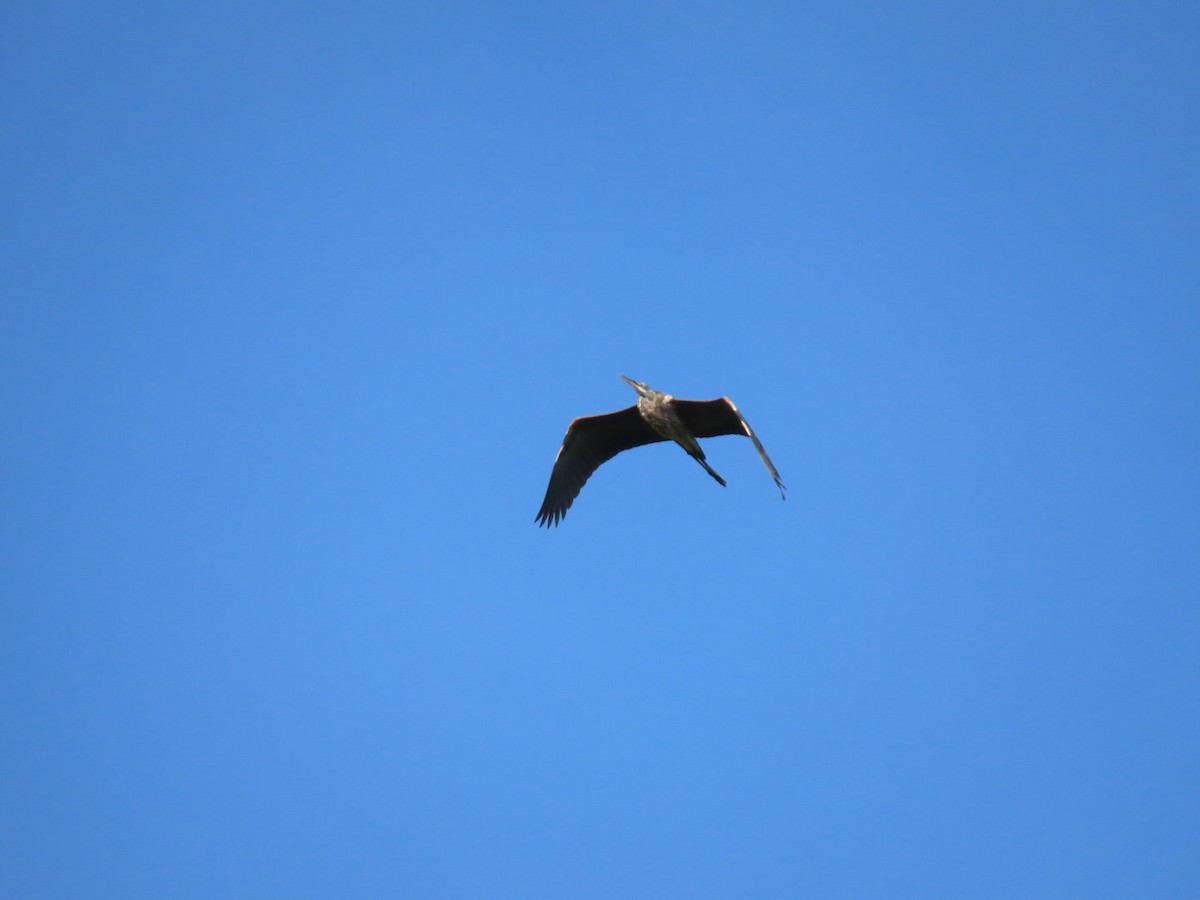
(299, 300)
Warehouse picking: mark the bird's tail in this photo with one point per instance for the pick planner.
(710, 470)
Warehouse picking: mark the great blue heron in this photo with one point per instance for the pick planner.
(593, 440)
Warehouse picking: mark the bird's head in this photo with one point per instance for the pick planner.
(641, 387)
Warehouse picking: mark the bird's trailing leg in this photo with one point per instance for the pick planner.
(710, 470)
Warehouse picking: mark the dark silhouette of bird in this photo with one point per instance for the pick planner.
(592, 441)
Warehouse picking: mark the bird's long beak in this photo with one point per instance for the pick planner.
(641, 389)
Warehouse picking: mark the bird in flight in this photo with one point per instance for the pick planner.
(592, 441)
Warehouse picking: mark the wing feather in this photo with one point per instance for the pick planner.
(590, 442)
(711, 418)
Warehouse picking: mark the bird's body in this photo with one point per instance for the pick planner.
(658, 409)
(593, 440)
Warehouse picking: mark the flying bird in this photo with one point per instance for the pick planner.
(592, 441)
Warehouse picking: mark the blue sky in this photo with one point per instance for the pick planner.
(300, 299)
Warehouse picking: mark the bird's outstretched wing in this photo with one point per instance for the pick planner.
(710, 418)
(591, 441)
